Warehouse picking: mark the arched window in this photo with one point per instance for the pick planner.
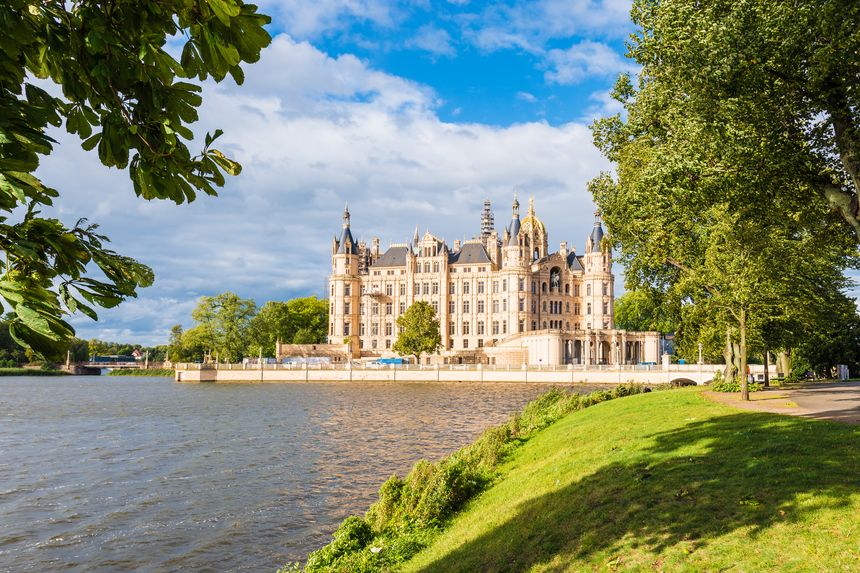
(543, 287)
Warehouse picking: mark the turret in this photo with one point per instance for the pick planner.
(598, 279)
(344, 287)
(512, 255)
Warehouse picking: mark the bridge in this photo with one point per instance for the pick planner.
(94, 368)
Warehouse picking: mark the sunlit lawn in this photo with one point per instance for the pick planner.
(667, 481)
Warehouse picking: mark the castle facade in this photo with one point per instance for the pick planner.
(499, 299)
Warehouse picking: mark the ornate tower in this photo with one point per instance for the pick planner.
(598, 280)
(344, 288)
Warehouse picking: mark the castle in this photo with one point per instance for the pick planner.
(500, 300)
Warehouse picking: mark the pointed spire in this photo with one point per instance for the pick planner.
(346, 216)
(516, 208)
(531, 206)
(415, 238)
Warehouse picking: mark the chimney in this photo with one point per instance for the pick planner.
(562, 249)
(374, 249)
(456, 245)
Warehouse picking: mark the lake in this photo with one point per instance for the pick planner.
(127, 473)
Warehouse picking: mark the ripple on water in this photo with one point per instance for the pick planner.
(100, 474)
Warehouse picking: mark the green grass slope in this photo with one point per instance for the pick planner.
(666, 481)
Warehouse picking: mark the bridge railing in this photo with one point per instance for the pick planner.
(678, 368)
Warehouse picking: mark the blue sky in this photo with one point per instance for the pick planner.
(412, 112)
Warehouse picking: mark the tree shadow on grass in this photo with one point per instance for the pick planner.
(748, 471)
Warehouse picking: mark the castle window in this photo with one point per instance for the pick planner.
(363, 289)
(451, 306)
(522, 326)
(587, 290)
(426, 267)
(388, 329)
(465, 327)
(576, 290)
(331, 308)
(567, 289)
(480, 287)
(588, 309)
(465, 288)
(347, 290)
(495, 327)
(544, 306)
(373, 344)
(451, 329)
(361, 309)
(480, 327)
(402, 289)
(504, 327)
(480, 343)
(374, 329)
(399, 330)
(361, 329)
(605, 308)
(374, 308)
(522, 285)
(504, 286)
(425, 288)
(567, 326)
(452, 289)
(543, 287)
(504, 305)
(388, 308)
(534, 287)
(534, 325)
(450, 346)
(576, 308)
(387, 344)
(465, 343)
(361, 343)
(331, 329)
(495, 287)
(436, 267)
(480, 307)
(534, 306)
(389, 289)
(544, 324)
(435, 288)
(402, 308)
(495, 306)
(436, 306)
(346, 329)
(522, 305)
(605, 289)
(346, 308)
(465, 307)
(332, 289)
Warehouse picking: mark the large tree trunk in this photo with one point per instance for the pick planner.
(783, 363)
(767, 368)
(729, 357)
(742, 324)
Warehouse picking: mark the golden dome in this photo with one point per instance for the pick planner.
(531, 222)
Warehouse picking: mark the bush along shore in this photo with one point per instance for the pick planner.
(411, 512)
(142, 372)
(31, 372)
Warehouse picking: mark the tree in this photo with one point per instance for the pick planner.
(127, 98)
(642, 310)
(225, 324)
(420, 331)
(711, 205)
(174, 345)
(297, 321)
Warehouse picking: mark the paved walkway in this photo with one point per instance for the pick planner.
(837, 401)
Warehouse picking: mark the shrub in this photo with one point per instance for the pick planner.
(733, 385)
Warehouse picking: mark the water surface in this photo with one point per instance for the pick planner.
(110, 474)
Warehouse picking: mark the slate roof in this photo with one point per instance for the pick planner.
(596, 237)
(574, 263)
(469, 253)
(353, 248)
(393, 257)
(515, 230)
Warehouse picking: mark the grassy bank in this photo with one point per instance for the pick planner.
(141, 372)
(665, 481)
(412, 511)
(29, 372)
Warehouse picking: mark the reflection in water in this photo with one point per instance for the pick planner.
(108, 474)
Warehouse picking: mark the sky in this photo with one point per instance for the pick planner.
(413, 113)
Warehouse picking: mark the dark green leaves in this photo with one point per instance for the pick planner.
(123, 94)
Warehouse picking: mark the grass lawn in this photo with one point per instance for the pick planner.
(29, 372)
(666, 481)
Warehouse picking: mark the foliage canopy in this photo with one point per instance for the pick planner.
(126, 97)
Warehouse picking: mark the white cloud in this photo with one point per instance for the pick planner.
(313, 132)
(433, 40)
(526, 96)
(585, 59)
(312, 18)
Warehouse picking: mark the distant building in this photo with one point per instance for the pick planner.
(499, 299)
